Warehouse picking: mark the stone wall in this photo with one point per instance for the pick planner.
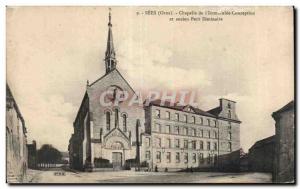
(16, 140)
(284, 164)
(261, 155)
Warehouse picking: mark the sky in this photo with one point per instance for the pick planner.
(53, 51)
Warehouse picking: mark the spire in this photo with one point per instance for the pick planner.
(110, 55)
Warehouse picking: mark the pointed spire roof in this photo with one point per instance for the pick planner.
(110, 51)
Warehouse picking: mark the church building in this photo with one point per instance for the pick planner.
(154, 136)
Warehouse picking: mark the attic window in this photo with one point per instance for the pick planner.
(229, 106)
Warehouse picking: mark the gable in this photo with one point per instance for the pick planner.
(116, 136)
(113, 78)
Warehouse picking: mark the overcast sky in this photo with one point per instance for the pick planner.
(51, 52)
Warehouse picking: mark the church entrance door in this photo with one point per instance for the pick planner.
(117, 160)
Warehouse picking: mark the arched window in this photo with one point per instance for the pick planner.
(116, 118)
(229, 114)
(124, 116)
(107, 120)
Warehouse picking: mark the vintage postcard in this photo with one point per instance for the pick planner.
(150, 95)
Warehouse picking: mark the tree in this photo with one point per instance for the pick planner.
(48, 155)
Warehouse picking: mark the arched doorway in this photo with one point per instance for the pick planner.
(117, 160)
(117, 155)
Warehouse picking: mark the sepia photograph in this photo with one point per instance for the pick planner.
(150, 95)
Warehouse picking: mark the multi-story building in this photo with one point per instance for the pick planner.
(16, 139)
(186, 136)
(158, 135)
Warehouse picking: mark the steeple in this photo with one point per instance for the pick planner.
(110, 55)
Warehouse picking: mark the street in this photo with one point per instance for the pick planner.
(59, 175)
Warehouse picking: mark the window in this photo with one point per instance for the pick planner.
(185, 131)
(201, 158)
(215, 123)
(176, 130)
(208, 145)
(208, 122)
(158, 142)
(177, 157)
(194, 144)
(168, 143)
(168, 129)
(169, 157)
(147, 140)
(124, 122)
(229, 146)
(209, 159)
(116, 118)
(201, 121)
(229, 136)
(201, 133)
(215, 146)
(185, 144)
(148, 156)
(194, 158)
(229, 114)
(108, 120)
(215, 134)
(185, 118)
(201, 145)
(177, 143)
(177, 116)
(157, 113)
(229, 106)
(158, 127)
(208, 133)
(229, 125)
(193, 119)
(186, 158)
(158, 157)
(168, 115)
(193, 132)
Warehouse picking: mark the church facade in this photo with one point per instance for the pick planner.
(158, 135)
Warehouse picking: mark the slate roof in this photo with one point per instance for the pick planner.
(287, 107)
(175, 106)
(216, 111)
(264, 141)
